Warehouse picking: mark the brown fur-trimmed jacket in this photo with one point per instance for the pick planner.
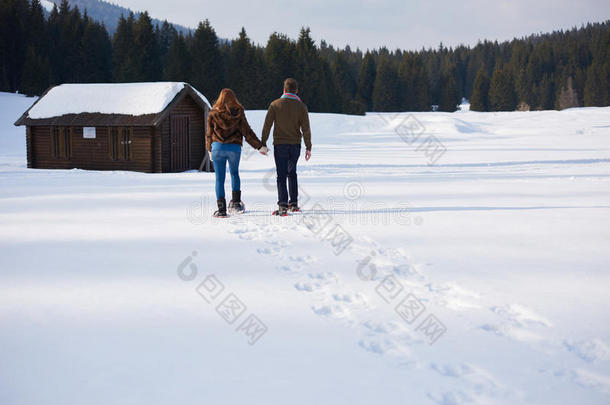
(230, 127)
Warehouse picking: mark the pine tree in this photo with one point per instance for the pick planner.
(97, 54)
(207, 62)
(448, 97)
(605, 61)
(413, 81)
(568, 98)
(13, 42)
(580, 77)
(65, 30)
(279, 62)
(386, 90)
(123, 52)
(37, 26)
(316, 86)
(346, 84)
(366, 81)
(165, 35)
(421, 86)
(147, 57)
(501, 91)
(178, 66)
(310, 74)
(546, 92)
(596, 88)
(72, 30)
(328, 90)
(480, 93)
(406, 82)
(52, 34)
(242, 72)
(35, 73)
(35, 76)
(261, 88)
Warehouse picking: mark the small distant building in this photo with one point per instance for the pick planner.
(145, 127)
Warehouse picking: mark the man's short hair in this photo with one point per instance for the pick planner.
(291, 85)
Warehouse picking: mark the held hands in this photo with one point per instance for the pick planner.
(264, 151)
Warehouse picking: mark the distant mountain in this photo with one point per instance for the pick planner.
(107, 13)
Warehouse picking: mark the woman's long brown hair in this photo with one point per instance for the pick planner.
(226, 101)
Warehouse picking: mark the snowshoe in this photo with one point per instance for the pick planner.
(294, 208)
(237, 208)
(280, 212)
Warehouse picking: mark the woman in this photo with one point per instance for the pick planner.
(227, 126)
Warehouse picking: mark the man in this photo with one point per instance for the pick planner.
(290, 120)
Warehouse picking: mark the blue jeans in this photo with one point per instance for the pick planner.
(221, 153)
(286, 157)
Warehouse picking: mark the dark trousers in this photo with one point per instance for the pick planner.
(286, 157)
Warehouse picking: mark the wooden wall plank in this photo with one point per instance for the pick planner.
(92, 153)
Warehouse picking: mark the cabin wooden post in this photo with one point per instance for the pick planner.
(30, 146)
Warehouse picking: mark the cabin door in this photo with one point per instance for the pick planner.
(179, 138)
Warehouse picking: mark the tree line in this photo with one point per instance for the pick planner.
(557, 70)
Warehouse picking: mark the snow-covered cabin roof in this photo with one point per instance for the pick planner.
(108, 103)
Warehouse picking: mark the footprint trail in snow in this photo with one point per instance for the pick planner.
(345, 289)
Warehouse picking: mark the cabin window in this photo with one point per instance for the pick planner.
(61, 142)
(119, 143)
(89, 132)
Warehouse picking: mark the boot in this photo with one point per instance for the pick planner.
(294, 207)
(222, 209)
(282, 211)
(236, 205)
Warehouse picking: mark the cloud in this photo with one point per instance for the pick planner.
(371, 24)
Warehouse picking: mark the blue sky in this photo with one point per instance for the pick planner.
(370, 24)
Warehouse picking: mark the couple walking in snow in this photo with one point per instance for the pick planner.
(227, 127)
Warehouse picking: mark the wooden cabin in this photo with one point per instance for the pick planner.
(145, 127)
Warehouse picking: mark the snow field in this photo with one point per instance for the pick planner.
(503, 240)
